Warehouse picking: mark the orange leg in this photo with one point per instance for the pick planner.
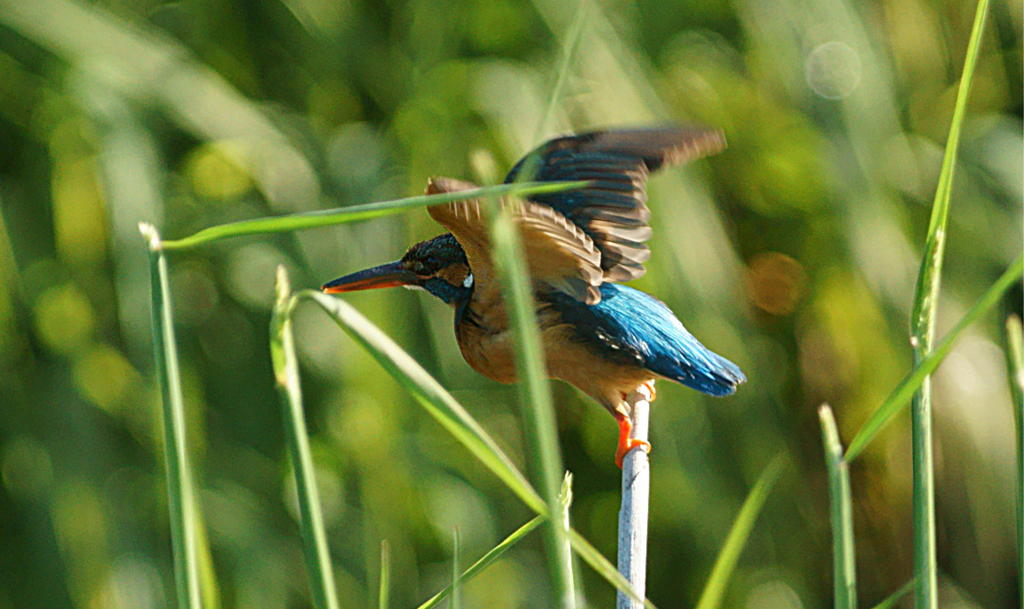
(626, 441)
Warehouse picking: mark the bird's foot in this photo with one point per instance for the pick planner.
(626, 441)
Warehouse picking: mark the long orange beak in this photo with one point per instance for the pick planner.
(384, 276)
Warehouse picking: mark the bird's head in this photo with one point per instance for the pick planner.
(436, 265)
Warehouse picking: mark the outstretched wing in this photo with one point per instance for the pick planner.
(612, 211)
(558, 252)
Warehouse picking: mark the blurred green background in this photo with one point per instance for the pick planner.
(794, 253)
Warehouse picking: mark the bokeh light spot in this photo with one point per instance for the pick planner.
(251, 274)
(833, 70)
(774, 594)
(775, 282)
(104, 376)
(214, 171)
(64, 318)
(78, 213)
(25, 467)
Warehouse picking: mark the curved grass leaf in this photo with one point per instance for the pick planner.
(844, 559)
(429, 393)
(899, 396)
(355, 213)
(492, 555)
(890, 601)
(729, 555)
(286, 377)
(603, 567)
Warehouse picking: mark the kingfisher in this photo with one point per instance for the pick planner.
(607, 339)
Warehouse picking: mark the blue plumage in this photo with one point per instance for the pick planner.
(635, 328)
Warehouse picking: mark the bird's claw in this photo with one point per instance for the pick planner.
(626, 441)
(628, 445)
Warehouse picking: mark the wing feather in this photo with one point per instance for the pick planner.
(559, 253)
(577, 240)
(612, 210)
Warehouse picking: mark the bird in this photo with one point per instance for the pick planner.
(606, 339)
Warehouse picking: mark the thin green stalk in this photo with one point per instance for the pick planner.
(844, 558)
(540, 427)
(569, 48)
(565, 505)
(494, 554)
(384, 594)
(355, 213)
(456, 589)
(729, 555)
(180, 494)
(286, 377)
(901, 394)
(922, 335)
(890, 601)
(1015, 364)
(209, 590)
(535, 401)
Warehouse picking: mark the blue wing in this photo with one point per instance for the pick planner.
(612, 210)
(634, 328)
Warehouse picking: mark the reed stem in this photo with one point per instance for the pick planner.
(636, 489)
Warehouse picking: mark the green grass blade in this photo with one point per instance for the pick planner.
(923, 334)
(603, 567)
(430, 394)
(569, 48)
(485, 561)
(901, 394)
(209, 589)
(181, 497)
(286, 377)
(456, 587)
(890, 601)
(729, 555)
(1015, 363)
(844, 559)
(384, 594)
(535, 400)
(355, 213)
(565, 504)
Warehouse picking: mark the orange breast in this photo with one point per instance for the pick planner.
(487, 344)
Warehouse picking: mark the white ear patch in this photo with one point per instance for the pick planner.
(410, 286)
(468, 281)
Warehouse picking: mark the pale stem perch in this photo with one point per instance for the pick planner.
(636, 485)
